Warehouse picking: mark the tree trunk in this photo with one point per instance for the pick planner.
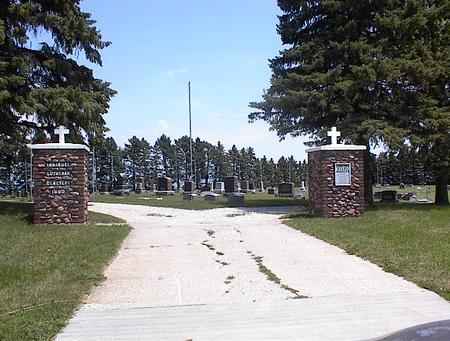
(441, 197)
(369, 176)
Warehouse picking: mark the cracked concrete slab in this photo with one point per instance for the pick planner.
(211, 263)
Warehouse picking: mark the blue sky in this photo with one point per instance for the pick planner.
(222, 47)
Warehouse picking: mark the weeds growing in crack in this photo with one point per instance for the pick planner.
(229, 279)
(222, 263)
(209, 246)
(273, 277)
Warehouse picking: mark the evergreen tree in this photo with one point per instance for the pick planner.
(168, 153)
(234, 160)
(108, 163)
(377, 70)
(272, 173)
(41, 86)
(221, 167)
(136, 155)
(282, 170)
(183, 157)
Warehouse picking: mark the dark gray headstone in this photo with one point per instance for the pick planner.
(244, 186)
(286, 189)
(231, 184)
(188, 186)
(164, 184)
(389, 196)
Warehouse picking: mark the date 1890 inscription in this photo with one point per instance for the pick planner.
(59, 176)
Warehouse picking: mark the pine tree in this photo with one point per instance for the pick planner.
(41, 85)
(378, 70)
(221, 167)
(136, 154)
(168, 152)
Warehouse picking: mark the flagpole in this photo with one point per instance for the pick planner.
(190, 127)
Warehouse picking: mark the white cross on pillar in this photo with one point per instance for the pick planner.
(334, 135)
(61, 131)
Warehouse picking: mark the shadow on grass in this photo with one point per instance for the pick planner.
(403, 206)
(375, 207)
(17, 209)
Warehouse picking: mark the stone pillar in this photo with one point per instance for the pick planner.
(336, 183)
(60, 183)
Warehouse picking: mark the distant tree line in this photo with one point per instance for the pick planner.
(141, 162)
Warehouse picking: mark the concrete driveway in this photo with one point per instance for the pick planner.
(240, 274)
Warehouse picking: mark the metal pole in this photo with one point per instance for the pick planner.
(190, 126)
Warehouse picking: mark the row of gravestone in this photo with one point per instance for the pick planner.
(231, 184)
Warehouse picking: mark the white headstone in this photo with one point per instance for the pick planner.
(220, 187)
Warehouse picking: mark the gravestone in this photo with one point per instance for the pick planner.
(231, 184)
(377, 196)
(139, 186)
(188, 186)
(337, 173)
(286, 189)
(121, 187)
(244, 186)
(164, 184)
(389, 196)
(60, 182)
(220, 187)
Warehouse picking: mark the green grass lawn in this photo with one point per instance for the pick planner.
(176, 201)
(412, 241)
(45, 271)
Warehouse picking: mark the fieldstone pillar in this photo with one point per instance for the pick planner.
(60, 183)
(336, 183)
